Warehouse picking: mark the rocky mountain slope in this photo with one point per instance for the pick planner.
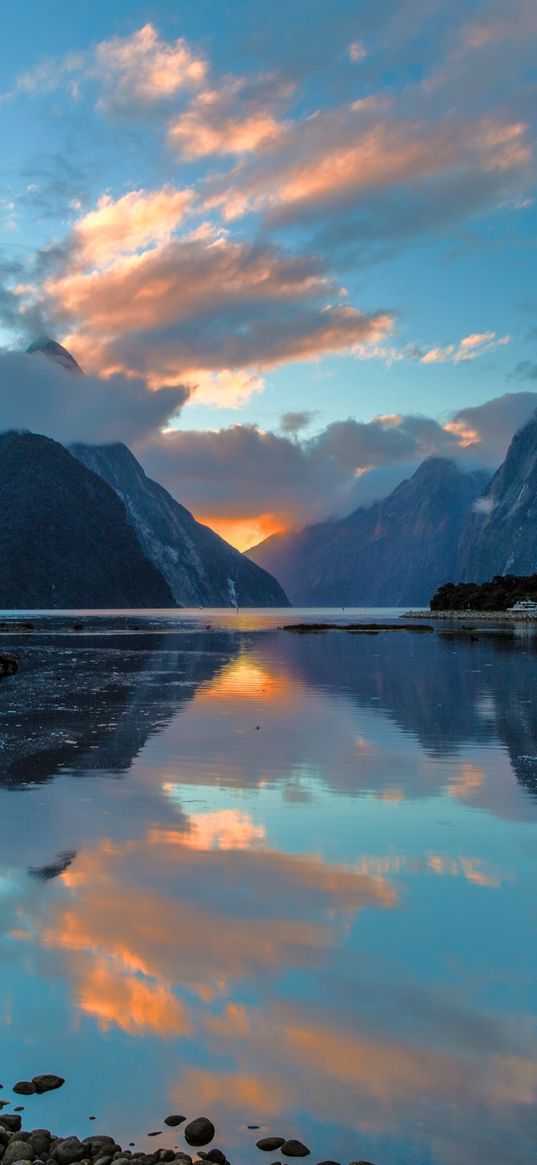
(64, 536)
(394, 553)
(500, 533)
(201, 569)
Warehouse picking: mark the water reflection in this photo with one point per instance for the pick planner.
(308, 904)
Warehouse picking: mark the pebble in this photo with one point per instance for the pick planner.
(215, 1155)
(294, 1149)
(269, 1144)
(24, 1088)
(200, 1131)
(174, 1120)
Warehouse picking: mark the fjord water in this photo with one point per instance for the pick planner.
(278, 879)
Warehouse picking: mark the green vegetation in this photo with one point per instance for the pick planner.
(502, 592)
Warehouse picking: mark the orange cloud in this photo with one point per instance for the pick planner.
(123, 225)
(131, 72)
(346, 152)
(142, 68)
(132, 315)
(476, 344)
(196, 136)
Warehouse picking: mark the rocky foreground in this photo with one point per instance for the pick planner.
(41, 1147)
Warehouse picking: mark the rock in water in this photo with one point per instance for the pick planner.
(199, 1131)
(24, 1088)
(270, 1144)
(174, 1120)
(47, 1082)
(294, 1149)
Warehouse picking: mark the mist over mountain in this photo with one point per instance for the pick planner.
(56, 352)
(388, 554)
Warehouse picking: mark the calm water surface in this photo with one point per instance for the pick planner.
(285, 880)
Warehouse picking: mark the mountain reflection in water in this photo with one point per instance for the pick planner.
(286, 880)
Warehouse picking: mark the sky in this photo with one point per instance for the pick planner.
(292, 246)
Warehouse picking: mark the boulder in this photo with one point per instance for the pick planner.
(47, 1082)
(199, 1131)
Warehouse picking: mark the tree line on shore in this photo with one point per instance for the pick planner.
(500, 593)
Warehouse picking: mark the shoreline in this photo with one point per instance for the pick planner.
(41, 1147)
(484, 616)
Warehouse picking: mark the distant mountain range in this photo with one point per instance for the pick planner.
(86, 527)
(442, 525)
(393, 553)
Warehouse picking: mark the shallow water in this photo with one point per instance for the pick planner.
(284, 880)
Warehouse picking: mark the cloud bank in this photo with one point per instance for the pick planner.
(243, 479)
(38, 395)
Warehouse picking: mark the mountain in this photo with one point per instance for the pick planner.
(56, 352)
(500, 533)
(64, 535)
(394, 553)
(199, 567)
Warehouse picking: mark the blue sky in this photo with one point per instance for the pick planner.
(323, 210)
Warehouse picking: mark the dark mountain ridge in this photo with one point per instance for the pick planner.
(500, 532)
(64, 535)
(200, 568)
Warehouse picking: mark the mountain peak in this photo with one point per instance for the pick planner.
(56, 352)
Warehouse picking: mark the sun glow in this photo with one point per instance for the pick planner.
(244, 532)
